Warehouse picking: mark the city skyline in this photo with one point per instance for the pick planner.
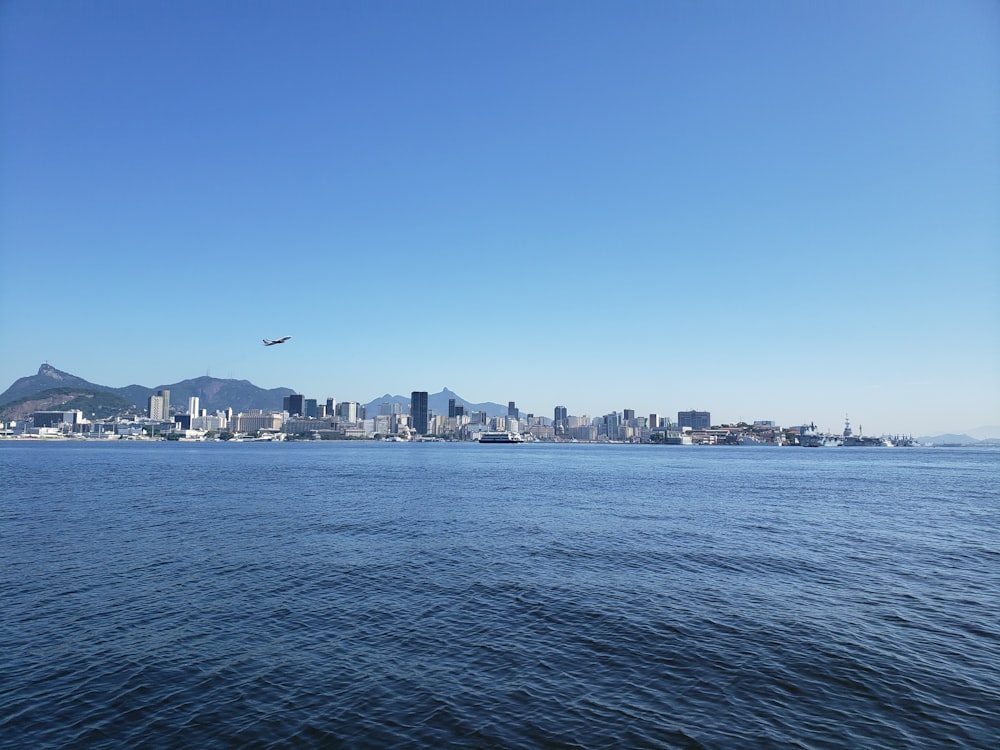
(767, 211)
(297, 403)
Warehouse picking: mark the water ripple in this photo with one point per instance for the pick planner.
(369, 596)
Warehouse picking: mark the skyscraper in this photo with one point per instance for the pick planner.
(165, 395)
(512, 410)
(156, 407)
(348, 411)
(613, 423)
(451, 408)
(193, 404)
(418, 411)
(295, 404)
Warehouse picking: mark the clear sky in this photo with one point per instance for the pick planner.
(769, 210)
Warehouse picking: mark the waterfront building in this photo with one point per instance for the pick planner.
(418, 411)
(541, 431)
(311, 408)
(256, 420)
(164, 393)
(56, 418)
(193, 404)
(305, 425)
(512, 410)
(696, 420)
(214, 423)
(583, 432)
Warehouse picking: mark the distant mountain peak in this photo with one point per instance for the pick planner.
(214, 393)
(48, 371)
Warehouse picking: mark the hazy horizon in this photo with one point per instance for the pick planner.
(763, 210)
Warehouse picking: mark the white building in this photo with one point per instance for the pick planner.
(157, 407)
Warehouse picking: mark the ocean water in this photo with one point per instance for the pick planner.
(371, 595)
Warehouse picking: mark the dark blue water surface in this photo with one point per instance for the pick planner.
(377, 595)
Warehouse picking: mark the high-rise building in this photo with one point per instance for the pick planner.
(628, 415)
(696, 420)
(331, 405)
(613, 422)
(560, 418)
(654, 420)
(418, 411)
(155, 407)
(349, 411)
(310, 408)
(451, 408)
(512, 410)
(165, 395)
(295, 404)
(193, 404)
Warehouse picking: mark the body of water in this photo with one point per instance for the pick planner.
(376, 595)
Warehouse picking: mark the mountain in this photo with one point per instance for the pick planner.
(985, 433)
(218, 393)
(48, 377)
(948, 438)
(53, 389)
(94, 404)
(214, 393)
(438, 403)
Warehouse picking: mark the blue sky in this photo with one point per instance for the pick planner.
(769, 210)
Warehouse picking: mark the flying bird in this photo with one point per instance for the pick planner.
(282, 340)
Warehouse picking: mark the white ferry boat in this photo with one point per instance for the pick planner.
(506, 438)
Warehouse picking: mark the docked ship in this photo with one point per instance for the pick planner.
(810, 437)
(501, 438)
(851, 440)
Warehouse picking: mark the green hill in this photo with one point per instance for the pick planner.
(94, 404)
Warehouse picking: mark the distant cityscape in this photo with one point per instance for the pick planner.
(303, 418)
